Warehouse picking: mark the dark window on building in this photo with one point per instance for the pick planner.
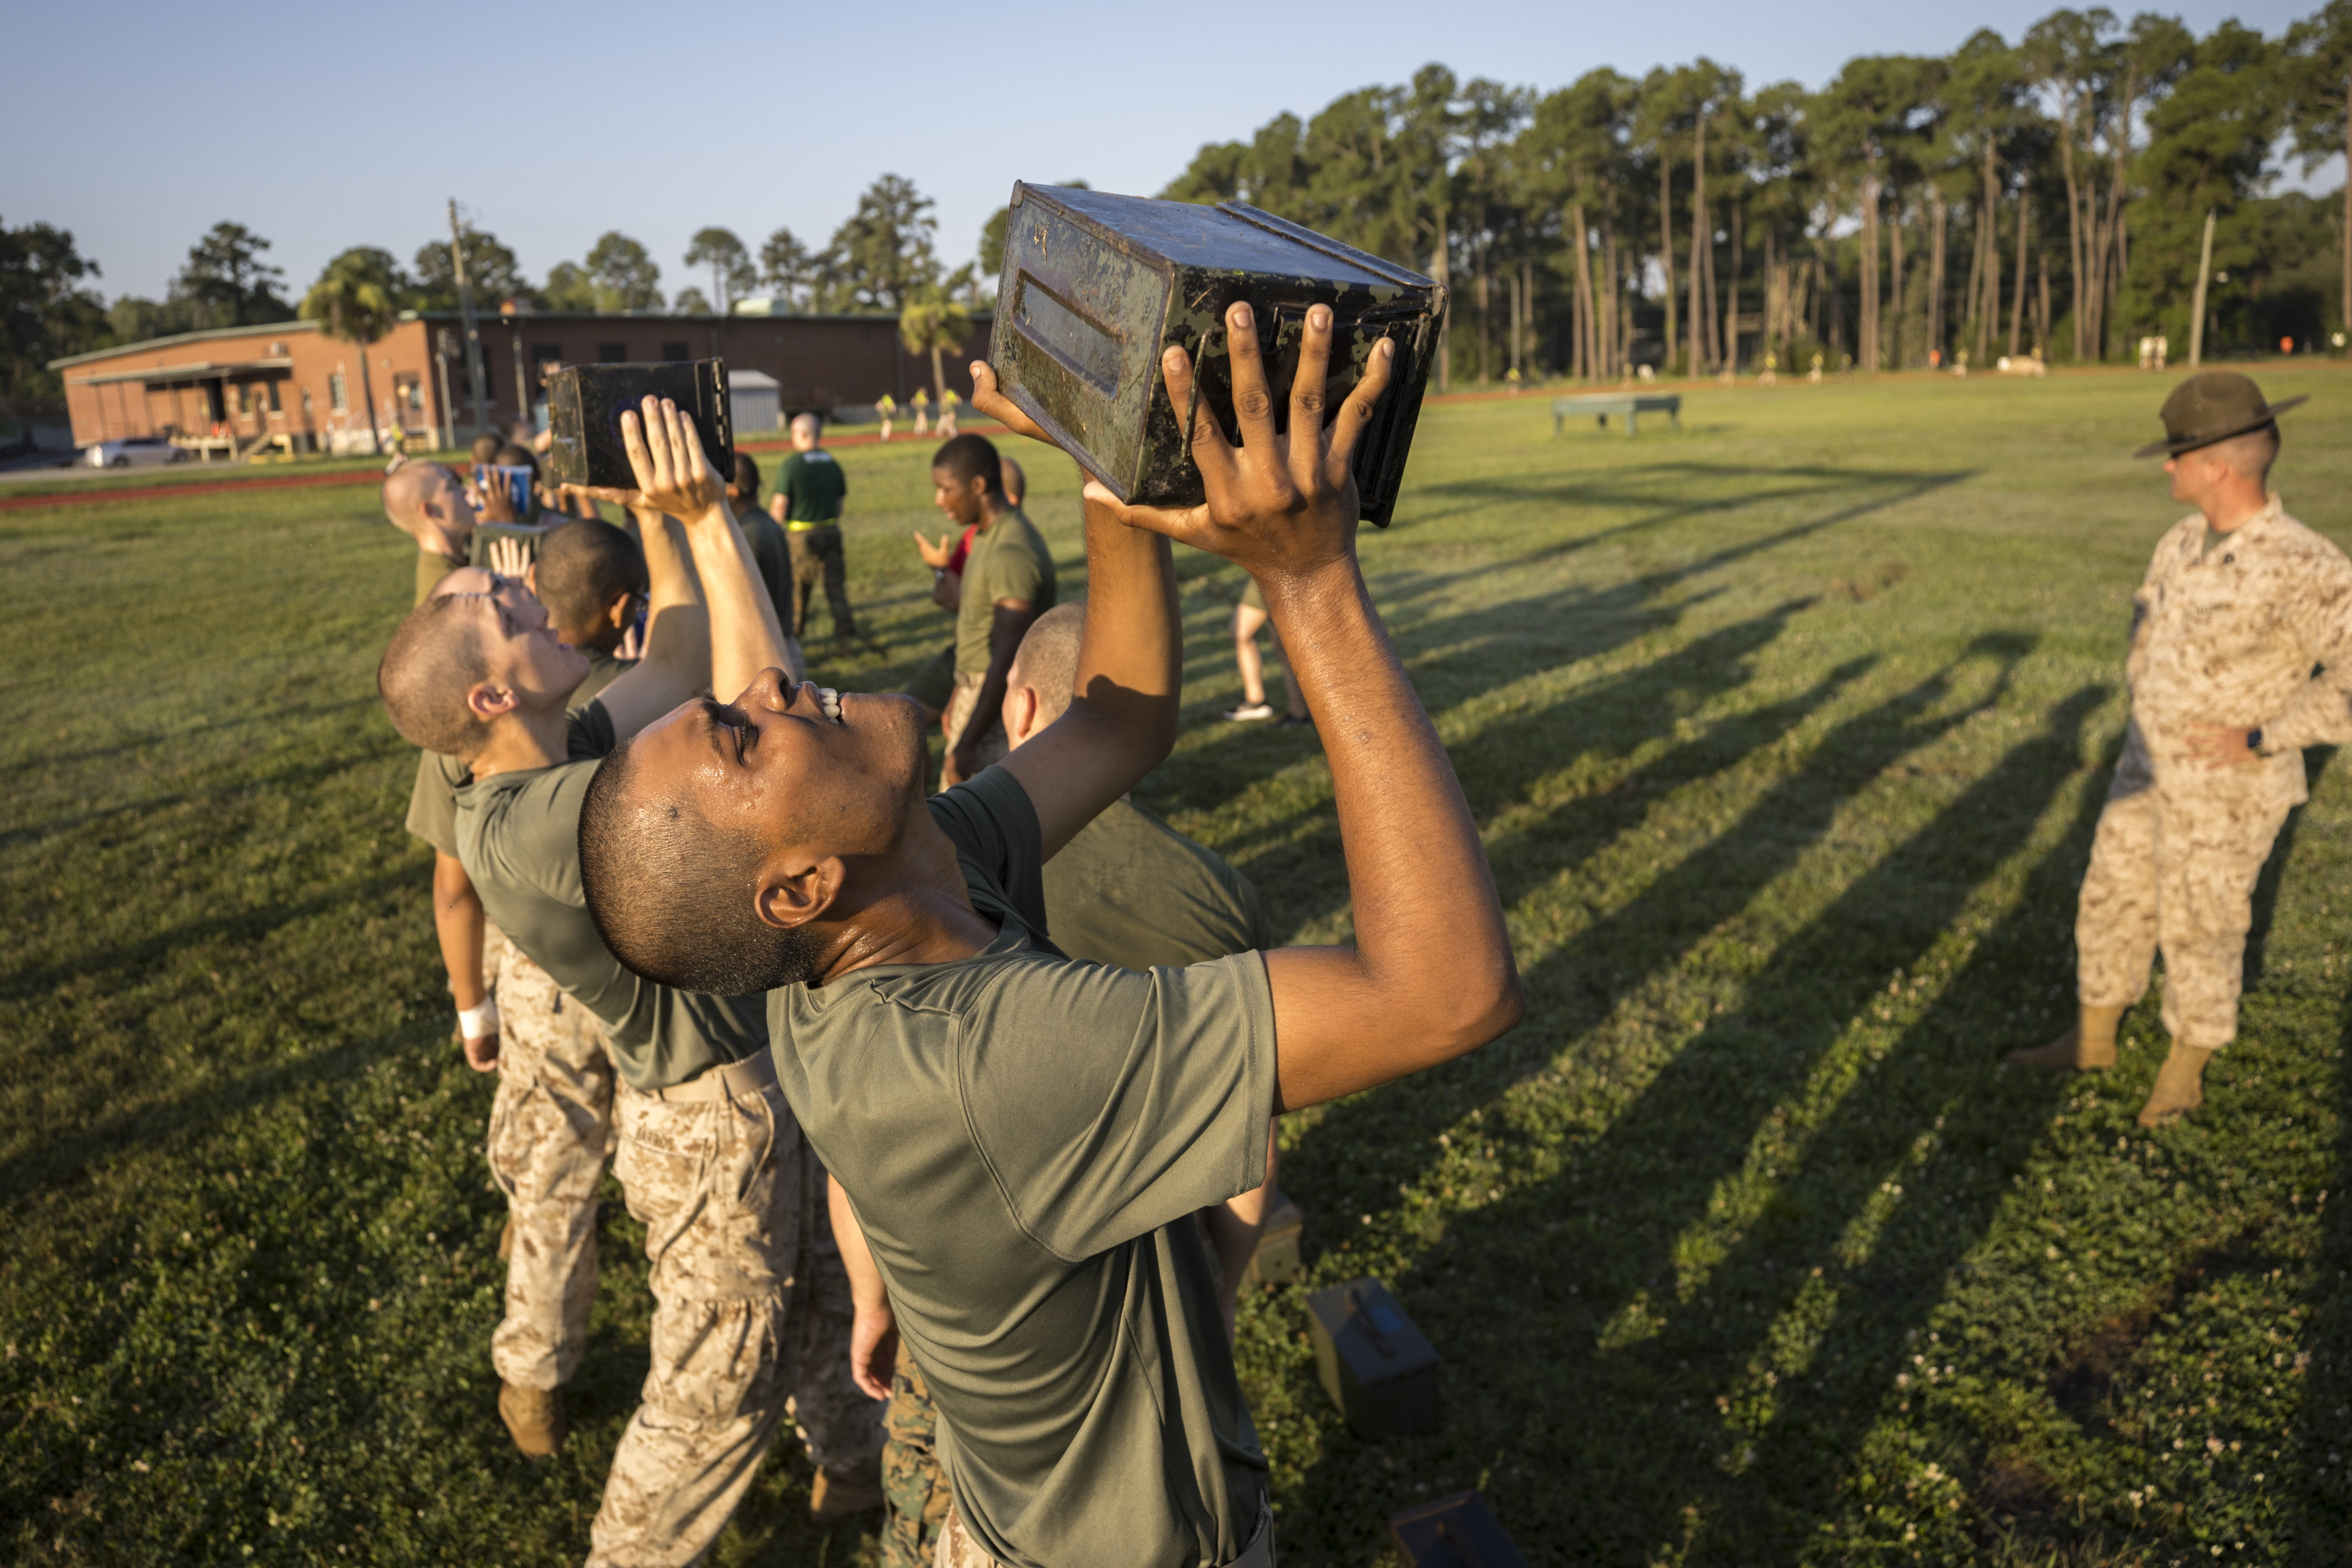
(612, 354)
(275, 405)
(675, 352)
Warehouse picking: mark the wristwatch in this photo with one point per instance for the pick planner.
(2254, 740)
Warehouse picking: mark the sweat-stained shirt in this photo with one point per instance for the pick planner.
(519, 838)
(1025, 1139)
(2255, 632)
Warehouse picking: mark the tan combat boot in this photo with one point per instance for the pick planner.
(2090, 1044)
(850, 1487)
(2180, 1086)
(534, 1418)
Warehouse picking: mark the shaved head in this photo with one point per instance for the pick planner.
(428, 502)
(436, 656)
(1047, 660)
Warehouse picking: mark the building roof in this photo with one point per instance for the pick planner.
(209, 334)
(187, 371)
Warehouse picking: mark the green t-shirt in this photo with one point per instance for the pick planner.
(433, 798)
(1009, 560)
(774, 557)
(1130, 890)
(431, 567)
(519, 837)
(1025, 1139)
(812, 485)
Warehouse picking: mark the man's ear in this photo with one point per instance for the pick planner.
(488, 701)
(617, 613)
(789, 899)
(1021, 705)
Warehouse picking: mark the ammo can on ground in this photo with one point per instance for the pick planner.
(585, 405)
(1457, 1531)
(1375, 1366)
(1275, 1262)
(1096, 286)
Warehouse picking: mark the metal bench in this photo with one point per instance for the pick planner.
(1632, 405)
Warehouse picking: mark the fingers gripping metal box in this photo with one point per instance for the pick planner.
(585, 405)
(1098, 287)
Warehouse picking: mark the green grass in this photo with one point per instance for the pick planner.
(1787, 734)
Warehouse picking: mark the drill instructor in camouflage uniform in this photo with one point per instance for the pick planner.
(1128, 891)
(2239, 607)
(751, 1307)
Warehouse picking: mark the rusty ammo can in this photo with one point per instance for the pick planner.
(1457, 1531)
(585, 405)
(1375, 1366)
(1097, 287)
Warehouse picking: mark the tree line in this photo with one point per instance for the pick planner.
(2042, 195)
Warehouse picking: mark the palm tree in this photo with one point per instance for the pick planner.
(933, 322)
(352, 301)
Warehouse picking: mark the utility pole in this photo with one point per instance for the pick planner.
(2204, 272)
(466, 309)
(444, 349)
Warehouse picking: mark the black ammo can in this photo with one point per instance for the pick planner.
(1457, 1531)
(1375, 1366)
(1096, 286)
(585, 405)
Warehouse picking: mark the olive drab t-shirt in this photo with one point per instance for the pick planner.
(519, 837)
(431, 567)
(433, 798)
(1008, 561)
(1130, 890)
(1025, 1139)
(812, 485)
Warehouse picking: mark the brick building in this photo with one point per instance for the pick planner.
(239, 387)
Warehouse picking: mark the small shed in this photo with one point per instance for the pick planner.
(752, 400)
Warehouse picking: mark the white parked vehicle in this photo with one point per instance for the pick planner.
(132, 450)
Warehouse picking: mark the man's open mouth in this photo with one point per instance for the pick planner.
(828, 701)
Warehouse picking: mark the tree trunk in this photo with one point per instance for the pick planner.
(2082, 275)
(1702, 244)
(1666, 246)
(367, 391)
(1976, 279)
(939, 379)
(1867, 338)
(1731, 300)
(1775, 290)
(2017, 300)
(1485, 320)
(1895, 284)
(1440, 268)
(1588, 356)
(2042, 316)
(1936, 220)
(1987, 308)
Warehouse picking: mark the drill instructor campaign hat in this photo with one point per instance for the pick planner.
(2210, 406)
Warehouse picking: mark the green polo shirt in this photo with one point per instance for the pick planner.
(1130, 890)
(519, 837)
(1025, 1139)
(812, 485)
(1008, 560)
(433, 798)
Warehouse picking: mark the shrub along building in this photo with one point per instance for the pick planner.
(288, 384)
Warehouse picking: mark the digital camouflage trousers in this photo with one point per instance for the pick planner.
(751, 1319)
(550, 1126)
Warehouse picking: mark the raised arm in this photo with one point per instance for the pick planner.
(1122, 715)
(1430, 976)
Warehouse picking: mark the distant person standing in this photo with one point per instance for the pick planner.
(770, 550)
(1249, 620)
(921, 403)
(934, 685)
(887, 407)
(2240, 656)
(811, 495)
(949, 429)
(1007, 582)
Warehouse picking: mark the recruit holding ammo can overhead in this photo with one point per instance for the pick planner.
(1097, 287)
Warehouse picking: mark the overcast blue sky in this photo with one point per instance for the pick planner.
(139, 126)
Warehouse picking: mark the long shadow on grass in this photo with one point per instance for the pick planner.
(1500, 644)
(1664, 491)
(1573, 1281)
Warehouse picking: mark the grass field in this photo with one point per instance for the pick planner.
(1787, 735)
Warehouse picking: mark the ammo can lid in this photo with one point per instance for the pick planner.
(1234, 236)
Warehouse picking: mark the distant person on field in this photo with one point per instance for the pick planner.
(921, 403)
(1007, 582)
(934, 685)
(1249, 618)
(761, 532)
(811, 498)
(949, 429)
(887, 407)
(2240, 656)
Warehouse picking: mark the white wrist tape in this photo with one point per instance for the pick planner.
(473, 1023)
